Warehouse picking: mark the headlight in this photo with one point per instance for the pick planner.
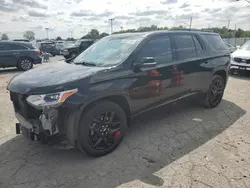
(50, 100)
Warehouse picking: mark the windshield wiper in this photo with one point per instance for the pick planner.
(86, 63)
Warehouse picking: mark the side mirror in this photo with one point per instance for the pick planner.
(144, 62)
(237, 47)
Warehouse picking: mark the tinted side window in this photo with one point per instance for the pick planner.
(184, 46)
(198, 46)
(159, 48)
(14, 47)
(215, 42)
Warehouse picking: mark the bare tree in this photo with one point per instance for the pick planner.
(4, 37)
(30, 35)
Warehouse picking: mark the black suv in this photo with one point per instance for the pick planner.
(71, 51)
(49, 47)
(90, 101)
(18, 54)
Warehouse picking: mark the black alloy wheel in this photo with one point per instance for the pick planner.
(215, 92)
(102, 128)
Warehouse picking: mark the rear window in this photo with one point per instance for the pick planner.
(185, 47)
(12, 46)
(28, 45)
(216, 42)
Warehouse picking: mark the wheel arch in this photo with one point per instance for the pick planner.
(25, 57)
(74, 116)
(222, 73)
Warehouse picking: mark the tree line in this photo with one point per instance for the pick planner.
(95, 34)
(30, 35)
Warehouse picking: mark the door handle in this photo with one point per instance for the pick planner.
(16, 53)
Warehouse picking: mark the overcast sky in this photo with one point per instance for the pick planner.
(80, 16)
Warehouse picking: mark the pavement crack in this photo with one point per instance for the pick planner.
(201, 182)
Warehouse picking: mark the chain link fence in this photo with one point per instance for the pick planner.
(236, 41)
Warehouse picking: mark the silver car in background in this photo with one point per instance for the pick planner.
(240, 59)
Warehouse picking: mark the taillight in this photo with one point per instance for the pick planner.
(37, 52)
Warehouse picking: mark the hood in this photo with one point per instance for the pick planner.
(242, 53)
(52, 77)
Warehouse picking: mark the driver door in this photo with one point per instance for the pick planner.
(151, 87)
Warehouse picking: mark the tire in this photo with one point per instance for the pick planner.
(210, 101)
(66, 56)
(25, 64)
(88, 128)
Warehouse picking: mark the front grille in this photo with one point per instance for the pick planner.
(22, 107)
(240, 60)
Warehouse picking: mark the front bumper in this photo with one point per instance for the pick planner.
(239, 66)
(65, 52)
(47, 124)
(41, 129)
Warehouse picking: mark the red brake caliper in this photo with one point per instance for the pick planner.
(117, 134)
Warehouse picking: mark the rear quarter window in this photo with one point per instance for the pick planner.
(215, 42)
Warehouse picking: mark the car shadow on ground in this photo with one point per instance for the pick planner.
(154, 140)
(9, 71)
(242, 75)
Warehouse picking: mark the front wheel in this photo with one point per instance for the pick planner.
(215, 92)
(102, 128)
(25, 64)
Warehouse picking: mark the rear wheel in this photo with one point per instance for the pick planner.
(102, 128)
(215, 92)
(25, 64)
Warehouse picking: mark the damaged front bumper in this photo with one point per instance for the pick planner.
(47, 123)
(42, 128)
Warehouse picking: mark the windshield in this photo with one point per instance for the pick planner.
(246, 46)
(108, 51)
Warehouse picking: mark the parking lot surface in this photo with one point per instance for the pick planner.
(182, 145)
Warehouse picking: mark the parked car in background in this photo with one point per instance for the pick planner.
(91, 100)
(59, 46)
(49, 47)
(240, 59)
(18, 54)
(71, 51)
(231, 47)
(21, 40)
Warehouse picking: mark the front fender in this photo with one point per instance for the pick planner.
(73, 119)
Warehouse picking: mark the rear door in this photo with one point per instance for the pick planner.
(9, 54)
(2, 55)
(189, 51)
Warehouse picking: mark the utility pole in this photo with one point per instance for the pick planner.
(234, 36)
(228, 24)
(190, 25)
(111, 25)
(47, 31)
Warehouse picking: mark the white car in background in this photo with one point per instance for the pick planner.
(240, 59)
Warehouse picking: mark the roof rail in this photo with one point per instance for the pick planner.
(204, 30)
